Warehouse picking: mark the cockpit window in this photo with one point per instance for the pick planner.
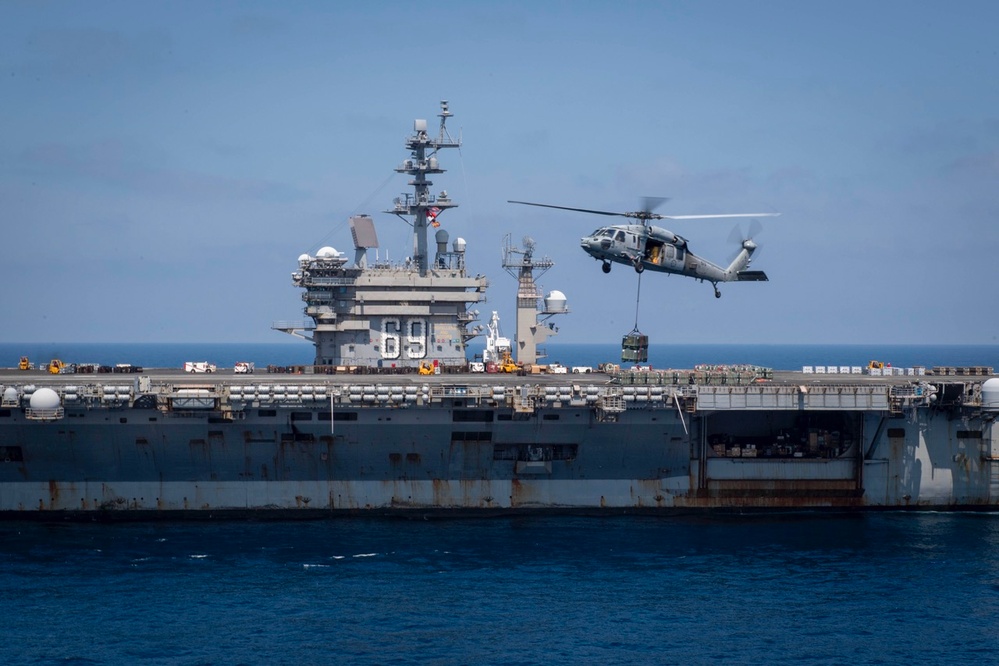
(620, 236)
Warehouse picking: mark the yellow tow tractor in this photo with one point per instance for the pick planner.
(427, 368)
(506, 363)
(25, 364)
(56, 366)
(876, 365)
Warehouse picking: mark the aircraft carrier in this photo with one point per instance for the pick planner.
(392, 417)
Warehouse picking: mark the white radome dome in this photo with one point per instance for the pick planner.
(44, 398)
(10, 394)
(303, 257)
(327, 252)
(990, 394)
(555, 301)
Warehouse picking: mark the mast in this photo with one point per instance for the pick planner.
(531, 327)
(422, 206)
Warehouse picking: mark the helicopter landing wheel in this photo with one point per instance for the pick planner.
(717, 293)
(605, 267)
(639, 266)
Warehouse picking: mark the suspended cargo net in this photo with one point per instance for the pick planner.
(635, 347)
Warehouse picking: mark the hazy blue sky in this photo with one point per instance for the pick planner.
(162, 165)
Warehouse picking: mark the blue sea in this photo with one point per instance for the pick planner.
(806, 588)
(886, 588)
(778, 357)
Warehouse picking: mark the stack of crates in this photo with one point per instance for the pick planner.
(635, 348)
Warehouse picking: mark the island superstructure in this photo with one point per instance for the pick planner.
(401, 315)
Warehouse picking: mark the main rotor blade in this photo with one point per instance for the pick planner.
(579, 210)
(644, 214)
(649, 204)
(705, 217)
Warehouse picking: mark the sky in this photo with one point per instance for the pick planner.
(163, 164)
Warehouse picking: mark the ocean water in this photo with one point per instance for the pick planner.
(886, 588)
(779, 357)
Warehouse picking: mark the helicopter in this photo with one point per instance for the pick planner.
(644, 245)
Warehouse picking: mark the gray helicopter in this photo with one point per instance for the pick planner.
(647, 246)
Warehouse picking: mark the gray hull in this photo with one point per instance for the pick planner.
(457, 444)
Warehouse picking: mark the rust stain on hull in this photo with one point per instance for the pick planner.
(776, 494)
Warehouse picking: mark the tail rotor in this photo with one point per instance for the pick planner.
(745, 240)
